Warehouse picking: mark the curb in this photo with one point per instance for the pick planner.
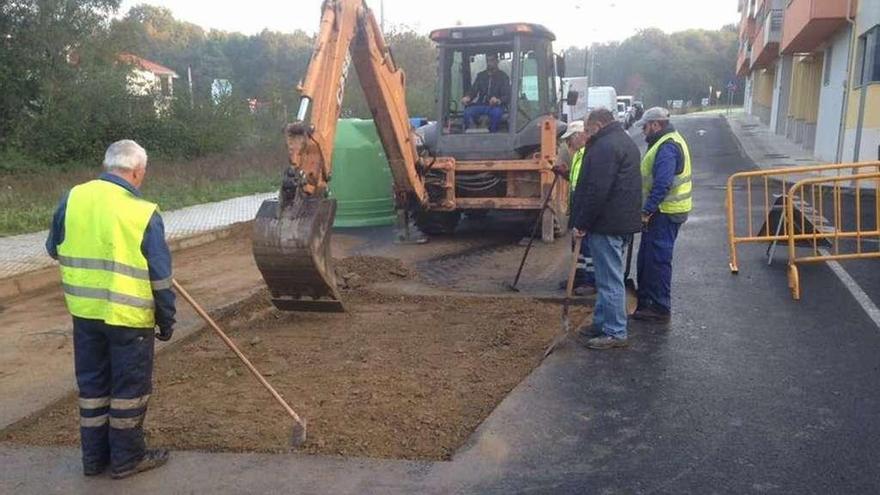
(26, 282)
(739, 146)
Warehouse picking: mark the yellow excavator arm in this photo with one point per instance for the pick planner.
(350, 34)
(291, 241)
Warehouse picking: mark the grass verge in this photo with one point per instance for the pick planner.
(27, 200)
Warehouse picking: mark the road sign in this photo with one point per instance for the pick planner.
(731, 86)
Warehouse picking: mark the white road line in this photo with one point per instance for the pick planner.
(854, 288)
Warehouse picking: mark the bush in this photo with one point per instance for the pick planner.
(76, 125)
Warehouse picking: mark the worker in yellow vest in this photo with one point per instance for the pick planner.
(116, 276)
(667, 200)
(568, 166)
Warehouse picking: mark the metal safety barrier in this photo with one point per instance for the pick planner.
(791, 205)
(846, 239)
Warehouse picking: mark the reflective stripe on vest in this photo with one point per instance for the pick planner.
(104, 274)
(576, 161)
(679, 198)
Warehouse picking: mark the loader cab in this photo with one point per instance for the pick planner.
(524, 54)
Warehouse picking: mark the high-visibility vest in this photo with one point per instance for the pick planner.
(679, 198)
(575, 172)
(103, 272)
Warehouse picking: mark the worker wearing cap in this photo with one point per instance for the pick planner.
(116, 276)
(568, 166)
(667, 200)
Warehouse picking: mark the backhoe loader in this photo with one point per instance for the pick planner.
(439, 171)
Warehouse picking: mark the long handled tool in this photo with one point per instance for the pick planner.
(522, 262)
(628, 281)
(569, 286)
(299, 425)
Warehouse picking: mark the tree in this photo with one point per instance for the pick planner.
(43, 42)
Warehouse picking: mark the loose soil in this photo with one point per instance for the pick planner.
(399, 376)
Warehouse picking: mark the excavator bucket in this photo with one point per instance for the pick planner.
(292, 249)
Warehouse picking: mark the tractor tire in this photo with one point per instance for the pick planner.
(437, 222)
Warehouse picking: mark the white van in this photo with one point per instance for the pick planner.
(602, 97)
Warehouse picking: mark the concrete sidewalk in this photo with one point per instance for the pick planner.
(769, 150)
(766, 148)
(26, 253)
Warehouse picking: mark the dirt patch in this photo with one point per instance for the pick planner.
(360, 271)
(397, 376)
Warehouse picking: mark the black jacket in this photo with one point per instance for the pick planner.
(487, 86)
(608, 197)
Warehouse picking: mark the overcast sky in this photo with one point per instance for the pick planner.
(575, 22)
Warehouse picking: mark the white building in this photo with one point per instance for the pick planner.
(149, 78)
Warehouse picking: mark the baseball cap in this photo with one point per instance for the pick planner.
(573, 128)
(653, 114)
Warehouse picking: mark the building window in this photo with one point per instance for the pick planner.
(829, 52)
(869, 56)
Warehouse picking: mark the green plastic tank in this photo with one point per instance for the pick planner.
(361, 181)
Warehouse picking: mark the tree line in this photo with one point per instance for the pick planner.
(657, 67)
(63, 91)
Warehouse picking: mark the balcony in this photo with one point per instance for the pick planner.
(743, 62)
(747, 29)
(809, 23)
(765, 49)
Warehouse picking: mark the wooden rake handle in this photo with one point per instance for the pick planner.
(180, 290)
(569, 285)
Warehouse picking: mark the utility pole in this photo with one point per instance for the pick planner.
(189, 81)
(586, 61)
(592, 64)
(382, 16)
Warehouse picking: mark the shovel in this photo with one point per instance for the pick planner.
(569, 286)
(299, 425)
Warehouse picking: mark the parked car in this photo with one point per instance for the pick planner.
(621, 111)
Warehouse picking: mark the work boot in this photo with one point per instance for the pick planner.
(652, 315)
(586, 333)
(585, 290)
(153, 458)
(606, 342)
(94, 470)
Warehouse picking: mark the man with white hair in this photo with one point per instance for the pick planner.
(568, 166)
(116, 276)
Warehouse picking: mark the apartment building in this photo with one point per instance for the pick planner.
(812, 72)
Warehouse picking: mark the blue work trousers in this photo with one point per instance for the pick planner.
(473, 112)
(585, 272)
(655, 263)
(114, 370)
(609, 314)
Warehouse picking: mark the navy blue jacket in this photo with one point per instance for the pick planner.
(668, 163)
(609, 190)
(153, 247)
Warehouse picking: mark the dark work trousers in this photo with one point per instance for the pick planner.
(655, 263)
(585, 274)
(114, 370)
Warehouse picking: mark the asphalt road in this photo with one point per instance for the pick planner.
(748, 391)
